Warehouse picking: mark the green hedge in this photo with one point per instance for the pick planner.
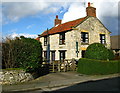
(98, 51)
(92, 66)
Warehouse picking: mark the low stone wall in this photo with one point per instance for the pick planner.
(14, 76)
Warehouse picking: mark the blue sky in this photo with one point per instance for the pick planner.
(32, 18)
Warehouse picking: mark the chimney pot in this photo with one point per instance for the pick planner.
(56, 16)
(57, 21)
(88, 4)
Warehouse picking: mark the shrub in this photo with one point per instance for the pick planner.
(92, 66)
(98, 51)
(23, 53)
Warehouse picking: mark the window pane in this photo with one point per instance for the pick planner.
(62, 55)
(102, 38)
(86, 40)
(62, 38)
(53, 55)
(45, 41)
(86, 35)
(60, 41)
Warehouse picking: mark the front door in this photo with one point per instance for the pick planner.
(83, 53)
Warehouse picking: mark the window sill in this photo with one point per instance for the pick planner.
(61, 44)
(84, 43)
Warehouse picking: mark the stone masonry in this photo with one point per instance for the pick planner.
(91, 25)
(14, 76)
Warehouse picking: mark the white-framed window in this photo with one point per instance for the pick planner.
(62, 39)
(45, 41)
(84, 37)
(102, 39)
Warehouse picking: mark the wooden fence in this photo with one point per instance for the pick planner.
(62, 66)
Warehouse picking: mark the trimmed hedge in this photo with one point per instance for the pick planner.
(92, 66)
(98, 51)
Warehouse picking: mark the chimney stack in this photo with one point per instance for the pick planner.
(91, 11)
(57, 21)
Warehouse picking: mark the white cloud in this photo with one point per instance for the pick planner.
(76, 10)
(13, 11)
(13, 35)
(103, 8)
(29, 26)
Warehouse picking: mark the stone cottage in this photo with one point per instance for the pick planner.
(71, 39)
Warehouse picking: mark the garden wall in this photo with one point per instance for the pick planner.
(14, 76)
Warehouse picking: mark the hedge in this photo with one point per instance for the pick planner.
(98, 51)
(92, 66)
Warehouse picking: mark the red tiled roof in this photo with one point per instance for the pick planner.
(63, 27)
(38, 38)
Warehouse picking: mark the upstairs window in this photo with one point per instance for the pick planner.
(45, 41)
(84, 37)
(62, 39)
(102, 39)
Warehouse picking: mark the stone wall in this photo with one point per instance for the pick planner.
(14, 76)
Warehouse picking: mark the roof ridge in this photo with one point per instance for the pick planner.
(64, 26)
(75, 19)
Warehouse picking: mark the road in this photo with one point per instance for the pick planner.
(110, 85)
(100, 85)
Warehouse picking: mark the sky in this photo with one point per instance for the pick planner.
(31, 17)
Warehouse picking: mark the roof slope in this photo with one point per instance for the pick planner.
(64, 27)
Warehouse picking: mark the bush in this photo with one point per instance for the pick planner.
(92, 66)
(23, 53)
(98, 51)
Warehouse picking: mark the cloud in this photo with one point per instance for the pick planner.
(13, 35)
(13, 11)
(76, 10)
(103, 8)
(29, 26)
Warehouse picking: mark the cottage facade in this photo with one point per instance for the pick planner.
(71, 39)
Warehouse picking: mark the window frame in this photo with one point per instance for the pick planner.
(102, 39)
(84, 38)
(45, 54)
(53, 57)
(45, 41)
(62, 39)
(60, 54)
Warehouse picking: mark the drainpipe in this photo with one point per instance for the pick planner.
(48, 47)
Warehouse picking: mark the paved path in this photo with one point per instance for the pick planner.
(52, 81)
